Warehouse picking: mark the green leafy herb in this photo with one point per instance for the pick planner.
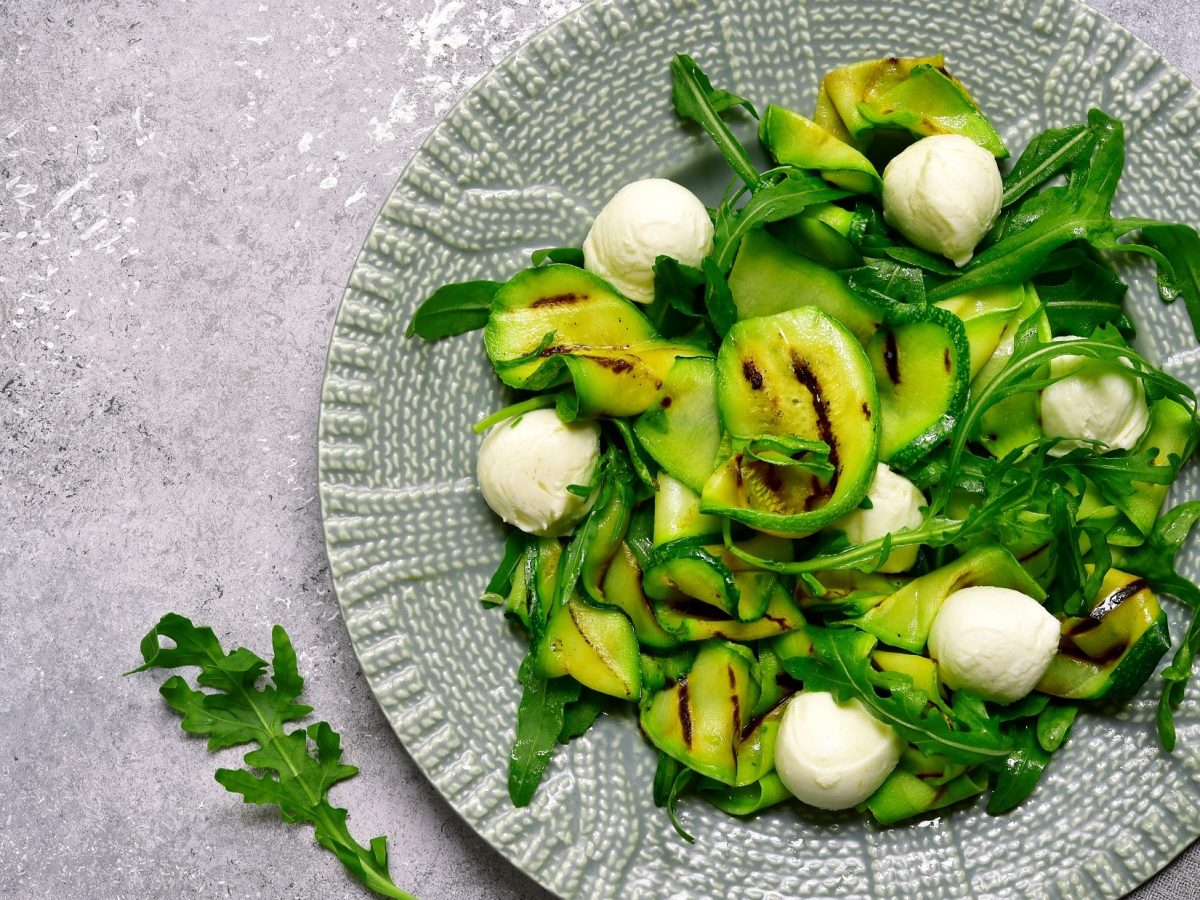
(841, 664)
(636, 455)
(1054, 725)
(865, 557)
(1047, 155)
(571, 256)
(785, 193)
(695, 98)
(453, 309)
(885, 282)
(718, 299)
(501, 581)
(681, 783)
(1053, 218)
(540, 721)
(789, 451)
(579, 715)
(675, 286)
(539, 401)
(1180, 245)
(1021, 771)
(292, 770)
(1030, 356)
(911, 256)
(1155, 561)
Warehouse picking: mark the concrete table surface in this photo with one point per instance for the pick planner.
(185, 187)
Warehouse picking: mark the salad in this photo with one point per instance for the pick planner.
(853, 486)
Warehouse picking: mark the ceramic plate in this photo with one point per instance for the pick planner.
(524, 162)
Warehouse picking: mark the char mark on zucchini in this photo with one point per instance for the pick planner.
(685, 713)
(616, 365)
(1068, 647)
(558, 300)
(1109, 603)
(752, 375)
(804, 375)
(891, 357)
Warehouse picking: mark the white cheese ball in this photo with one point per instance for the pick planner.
(992, 641)
(525, 464)
(895, 504)
(833, 755)
(1095, 401)
(645, 220)
(943, 194)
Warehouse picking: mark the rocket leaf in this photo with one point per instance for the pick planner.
(293, 770)
(841, 664)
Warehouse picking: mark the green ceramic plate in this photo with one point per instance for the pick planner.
(524, 162)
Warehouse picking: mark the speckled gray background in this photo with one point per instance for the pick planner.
(184, 189)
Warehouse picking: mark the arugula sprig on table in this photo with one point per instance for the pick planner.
(293, 770)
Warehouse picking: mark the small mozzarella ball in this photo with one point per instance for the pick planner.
(943, 194)
(833, 755)
(525, 464)
(895, 504)
(994, 642)
(1094, 401)
(645, 220)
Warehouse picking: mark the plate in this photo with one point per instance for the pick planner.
(524, 162)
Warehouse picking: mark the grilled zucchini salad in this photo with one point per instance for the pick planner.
(853, 485)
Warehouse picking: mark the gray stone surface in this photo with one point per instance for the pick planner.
(184, 189)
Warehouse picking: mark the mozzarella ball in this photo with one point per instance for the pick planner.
(833, 755)
(895, 504)
(992, 641)
(525, 464)
(943, 194)
(1096, 401)
(645, 220)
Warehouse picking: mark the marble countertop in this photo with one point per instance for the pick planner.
(184, 189)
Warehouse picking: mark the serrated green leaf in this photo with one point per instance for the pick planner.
(841, 664)
(294, 770)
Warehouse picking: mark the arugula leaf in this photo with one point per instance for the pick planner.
(791, 451)
(1155, 562)
(514, 411)
(453, 309)
(1180, 245)
(695, 98)
(665, 773)
(675, 285)
(579, 715)
(1021, 771)
(718, 299)
(672, 778)
(571, 256)
(1053, 218)
(514, 554)
(636, 455)
(841, 663)
(887, 282)
(790, 193)
(1054, 725)
(1030, 355)
(935, 531)
(1045, 156)
(295, 770)
(1081, 294)
(540, 719)
(920, 259)
(681, 783)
